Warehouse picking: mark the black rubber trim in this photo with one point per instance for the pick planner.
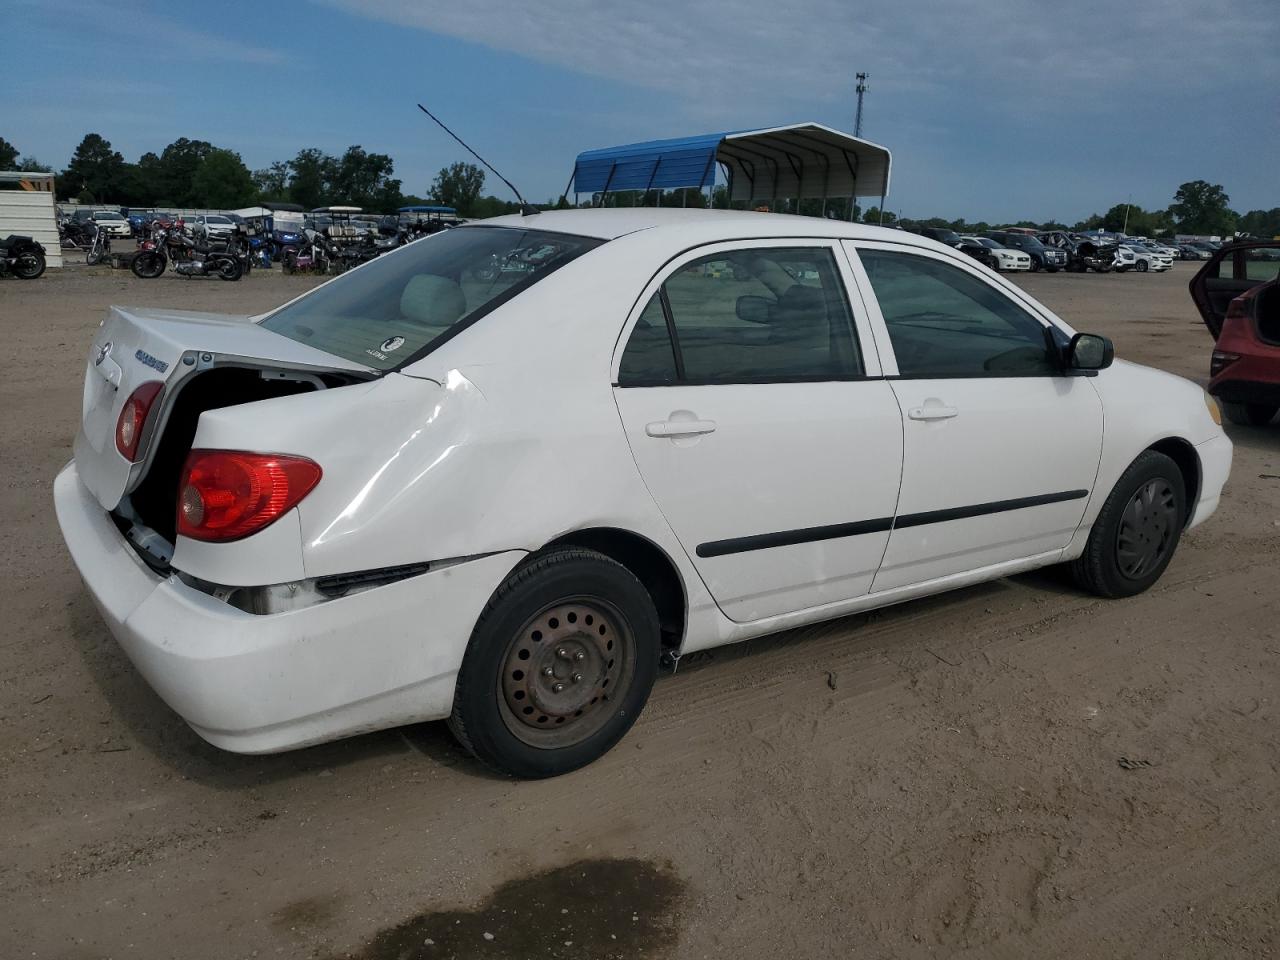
(763, 541)
(983, 509)
(786, 538)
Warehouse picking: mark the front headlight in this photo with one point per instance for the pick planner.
(1214, 410)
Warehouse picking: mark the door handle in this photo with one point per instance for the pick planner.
(933, 411)
(679, 428)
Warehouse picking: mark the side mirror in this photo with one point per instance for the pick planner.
(754, 309)
(1088, 351)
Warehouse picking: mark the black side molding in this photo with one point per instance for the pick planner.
(982, 509)
(763, 541)
(786, 538)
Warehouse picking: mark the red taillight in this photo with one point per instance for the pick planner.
(229, 494)
(133, 415)
(1220, 360)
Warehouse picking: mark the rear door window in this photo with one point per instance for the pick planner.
(771, 314)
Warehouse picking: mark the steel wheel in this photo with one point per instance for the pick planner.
(1146, 528)
(562, 670)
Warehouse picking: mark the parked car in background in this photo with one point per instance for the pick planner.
(1125, 259)
(1006, 258)
(1188, 252)
(115, 224)
(941, 234)
(1238, 295)
(382, 529)
(1148, 258)
(1084, 253)
(980, 252)
(211, 226)
(1042, 257)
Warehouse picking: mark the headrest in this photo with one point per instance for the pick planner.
(432, 300)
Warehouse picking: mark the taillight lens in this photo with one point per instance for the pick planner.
(229, 494)
(1219, 360)
(133, 416)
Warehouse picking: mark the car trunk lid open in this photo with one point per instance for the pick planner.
(142, 359)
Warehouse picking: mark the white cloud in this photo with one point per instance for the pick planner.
(772, 54)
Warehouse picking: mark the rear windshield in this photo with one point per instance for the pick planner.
(402, 305)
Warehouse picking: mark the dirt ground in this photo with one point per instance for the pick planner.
(1013, 770)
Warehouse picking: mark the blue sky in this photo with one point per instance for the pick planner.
(993, 110)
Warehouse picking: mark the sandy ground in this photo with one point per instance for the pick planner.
(943, 778)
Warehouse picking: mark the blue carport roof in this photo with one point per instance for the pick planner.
(798, 160)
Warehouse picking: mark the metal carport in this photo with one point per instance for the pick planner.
(800, 160)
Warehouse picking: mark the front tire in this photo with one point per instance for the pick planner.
(1250, 414)
(1137, 530)
(147, 265)
(1142, 266)
(559, 665)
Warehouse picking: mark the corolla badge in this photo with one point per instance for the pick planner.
(103, 352)
(392, 343)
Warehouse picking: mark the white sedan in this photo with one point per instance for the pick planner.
(497, 475)
(1007, 258)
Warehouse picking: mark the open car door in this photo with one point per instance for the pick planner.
(1235, 269)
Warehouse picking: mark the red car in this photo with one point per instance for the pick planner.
(1238, 295)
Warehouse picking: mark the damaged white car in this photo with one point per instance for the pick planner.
(497, 475)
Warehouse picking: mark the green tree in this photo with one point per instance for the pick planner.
(1200, 207)
(32, 165)
(1261, 223)
(95, 170)
(179, 162)
(222, 181)
(273, 181)
(364, 180)
(484, 207)
(458, 185)
(152, 189)
(311, 177)
(8, 155)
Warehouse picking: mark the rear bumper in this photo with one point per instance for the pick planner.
(1215, 467)
(261, 684)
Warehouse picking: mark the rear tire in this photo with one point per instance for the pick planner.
(559, 665)
(29, 266)
(1250, 414)
(230, 269)
(1137, 530)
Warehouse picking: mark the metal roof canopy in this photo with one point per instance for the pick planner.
(801, 160)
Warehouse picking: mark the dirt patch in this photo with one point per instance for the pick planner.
(605, 909)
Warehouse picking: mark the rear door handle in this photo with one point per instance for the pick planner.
(679, 428)
(932, 412)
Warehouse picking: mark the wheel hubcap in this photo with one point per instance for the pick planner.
(563, 670)
(1146, 528)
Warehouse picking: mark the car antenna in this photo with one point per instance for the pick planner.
(526, 209)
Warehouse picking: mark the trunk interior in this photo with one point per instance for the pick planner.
(154, 502)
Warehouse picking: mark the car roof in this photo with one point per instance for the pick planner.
(612, 222)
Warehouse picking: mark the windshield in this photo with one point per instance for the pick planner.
(402, 305)
(107, 215)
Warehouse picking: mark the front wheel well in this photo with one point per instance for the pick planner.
(650, 565)
(1188, 461)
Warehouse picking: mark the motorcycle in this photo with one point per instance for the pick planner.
(316, 255)
(188, 258)
(22, 257)
(99, 247)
